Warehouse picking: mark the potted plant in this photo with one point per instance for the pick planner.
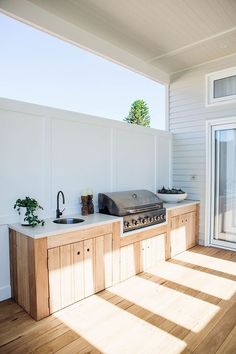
(27, 209)
(173, 195)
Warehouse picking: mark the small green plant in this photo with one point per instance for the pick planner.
(31, 206)
(139, 114)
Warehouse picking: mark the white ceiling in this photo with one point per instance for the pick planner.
(170, 34)
(167, 35)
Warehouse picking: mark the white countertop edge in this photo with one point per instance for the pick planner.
(52, 229)
(57, 229)
(186, 202)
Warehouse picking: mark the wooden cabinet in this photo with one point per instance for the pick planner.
(78, 270)
(183, 232)
(142, 255)
(129, 260)
(152, 251)
(55, 271)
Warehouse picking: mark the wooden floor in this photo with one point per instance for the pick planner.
(185, 305)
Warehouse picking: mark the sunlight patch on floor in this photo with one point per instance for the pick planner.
(208, 283)
(210, 262)
(114, 331)
(175, 306)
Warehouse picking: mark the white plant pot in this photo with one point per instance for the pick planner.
(22, 216)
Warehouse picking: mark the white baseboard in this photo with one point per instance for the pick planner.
(201, 242)
(5, 292)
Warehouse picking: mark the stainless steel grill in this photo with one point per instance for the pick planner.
(139, 208)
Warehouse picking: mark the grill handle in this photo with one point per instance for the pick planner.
(144, 209)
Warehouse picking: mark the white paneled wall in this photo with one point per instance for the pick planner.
(44, 150)
(188, 116)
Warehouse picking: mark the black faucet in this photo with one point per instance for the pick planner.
(58, 212)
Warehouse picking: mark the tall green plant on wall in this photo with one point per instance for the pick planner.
(139, 114)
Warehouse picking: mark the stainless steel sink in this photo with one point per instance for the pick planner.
(68, 221)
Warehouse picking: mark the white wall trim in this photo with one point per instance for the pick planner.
(209, 82)
(57, 113)
(210, 125)
(5, 292)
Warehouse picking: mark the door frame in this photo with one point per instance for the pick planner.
(211, 127)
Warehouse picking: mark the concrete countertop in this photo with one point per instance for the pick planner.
(50, 228)
(184, 203)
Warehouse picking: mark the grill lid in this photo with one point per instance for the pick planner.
(128, 202)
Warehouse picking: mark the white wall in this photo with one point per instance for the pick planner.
(188, 116)
(43, 150)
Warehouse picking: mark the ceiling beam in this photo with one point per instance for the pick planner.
(192, 45)
(39, 18)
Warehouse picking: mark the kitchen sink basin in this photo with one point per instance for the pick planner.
(68, 221)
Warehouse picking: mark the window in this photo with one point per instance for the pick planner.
(221, 87)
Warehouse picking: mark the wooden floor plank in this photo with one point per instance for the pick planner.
(147, 314)
(229, 345)
(219, 333)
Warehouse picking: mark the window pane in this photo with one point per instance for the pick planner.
(225, 87)
(225, 185)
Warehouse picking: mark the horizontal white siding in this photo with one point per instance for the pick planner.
(188, 115)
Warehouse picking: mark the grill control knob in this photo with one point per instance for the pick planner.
(135, 222)
(145, 220)
(151, 219)
(155, 217)
(141, 220)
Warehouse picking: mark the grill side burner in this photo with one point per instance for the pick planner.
(139, 208)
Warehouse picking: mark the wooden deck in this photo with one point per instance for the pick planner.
(185, 305)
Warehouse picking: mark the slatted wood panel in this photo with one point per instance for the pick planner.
(29, 275)
(183, 232)
(89, 276)
(130, 258)
(79, 270)
(54, 268)
(153, 250)
(141, 255)
(135, 325)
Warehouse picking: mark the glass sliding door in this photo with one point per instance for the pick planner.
(223, 214)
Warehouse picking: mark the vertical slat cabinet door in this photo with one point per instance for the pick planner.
(89, 276)
(99, 265)
(148, 254)
(143, 263)
(178, 235)
(54, 270)
(108, 260)
(67, 282)
(137, 257)
(23, 272)
(190, 220)
(78, 270)
(130, 261)
(158, 248)
(153, 251)
(123, 263)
